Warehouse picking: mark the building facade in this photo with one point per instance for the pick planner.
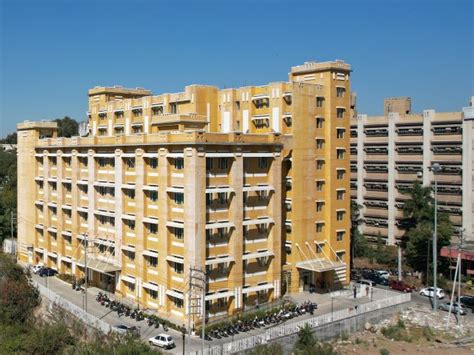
(389, 153)
(250, 185)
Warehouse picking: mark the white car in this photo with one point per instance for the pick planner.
(37, 268)
(455, 308)
(430, 292)
(164, 341)
(383, 273)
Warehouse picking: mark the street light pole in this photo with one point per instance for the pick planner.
(435, 168)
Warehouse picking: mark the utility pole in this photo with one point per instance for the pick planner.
(435, 168)
(197, 300)
(399, 262)
(86, 244)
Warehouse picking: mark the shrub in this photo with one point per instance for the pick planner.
(428, 333)
(384, 352)
(66, 277)
(344, 336)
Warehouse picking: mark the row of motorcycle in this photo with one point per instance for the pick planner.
(122, 309)
(267, 319)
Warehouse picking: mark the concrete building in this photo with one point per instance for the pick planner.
(250, 184)
(467, 247)
(389, 153)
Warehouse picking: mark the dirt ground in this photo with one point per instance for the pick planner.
(414, 331)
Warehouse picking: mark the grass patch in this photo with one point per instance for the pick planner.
(397, 332)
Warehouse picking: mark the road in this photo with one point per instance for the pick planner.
(326, 304)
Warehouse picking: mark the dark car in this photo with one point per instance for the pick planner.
(47, 272)
(468, 302)
(400, 286)
(378, 280)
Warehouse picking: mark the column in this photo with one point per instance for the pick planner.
(392, 118)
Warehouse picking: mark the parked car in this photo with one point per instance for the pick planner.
(47, 271)
(37, 268)
(378, 280)
(163, 340)
(400, 286)
(383, 273)
(125, 329)
(455, 308)
(467, 302)
(430, 292)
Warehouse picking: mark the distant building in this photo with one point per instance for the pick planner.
(389, 153)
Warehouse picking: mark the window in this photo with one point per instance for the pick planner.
(178, 268)
(340, 153)
(130, 162)
(178, 198)
(53, 161)
(178, 233)
(319, 164)
(319, 227)
(319, 101)
(67, 186)
(173, 107)
(130, 286)
(137, 129)
(319, 185)
(153, 294)
(340, 215)
(222, 198)
(340, 133)
(319, 206)
(340, 194)
(179, 163)
(153, 163)
(319, 122)
(340, 174)
(129, 254)
(340, 91)
(152, 261)
(237, 105)
(118, 114)
(157, 110)
(152, 228)
(319, 248)
(340, 112)
(53, 186)
(340, 235)
(130, 194)
(130, 224)
(223, 163)
(178, 303)
(153, 195)
(319, 143)
(209, 163)
(137, 112)
(262, 163)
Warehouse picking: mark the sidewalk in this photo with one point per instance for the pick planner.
(327, 304)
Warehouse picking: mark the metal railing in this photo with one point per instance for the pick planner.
(73, 309)
(293, 328)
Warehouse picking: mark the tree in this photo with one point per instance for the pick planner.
(67, 127)
(10, 139)
(418, 214)
(268, 349)
(8, 191)
(307, 344)
(358, 242)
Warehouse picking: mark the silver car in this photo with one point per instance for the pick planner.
(455, 308)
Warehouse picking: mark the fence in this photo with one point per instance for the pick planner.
(292, 328)
(73, 309)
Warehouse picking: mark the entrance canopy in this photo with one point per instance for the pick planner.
(320, 265)
(99, 265)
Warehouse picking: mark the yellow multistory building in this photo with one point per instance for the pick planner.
(251, 185)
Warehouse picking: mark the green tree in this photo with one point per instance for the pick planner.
(8, 191)
(418, 215)
(10, 139)
(67, 127)
(358, 241)
(268, 349)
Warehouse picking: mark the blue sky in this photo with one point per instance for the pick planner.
(52, 52)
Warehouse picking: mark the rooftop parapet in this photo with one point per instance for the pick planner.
(119, 90)
(311, 67)
(36, 124)
(194, 137)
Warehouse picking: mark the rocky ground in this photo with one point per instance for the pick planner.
(416, 330)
